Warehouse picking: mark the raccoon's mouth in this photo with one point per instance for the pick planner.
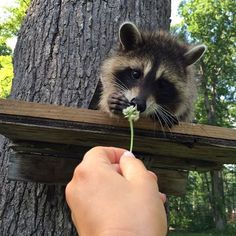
(145, 106)
(148, 107)
(139, 103)
(136, 100)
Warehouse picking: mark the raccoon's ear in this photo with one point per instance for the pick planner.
(194, 54)
(129, 36)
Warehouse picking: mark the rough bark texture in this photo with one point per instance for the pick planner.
(218, 201)
(57, 59)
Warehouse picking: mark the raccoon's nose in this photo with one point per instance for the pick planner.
(140, 103)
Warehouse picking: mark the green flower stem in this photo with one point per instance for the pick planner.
(131, 135)
(132, 114)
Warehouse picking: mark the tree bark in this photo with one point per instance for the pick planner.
(218, 201)
(57, 58)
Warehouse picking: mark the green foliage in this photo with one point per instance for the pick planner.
(213, 23)
(10, 26)
(6, 75)
(202, 234)
(5, 50)
(8, 29)
(230, 231)
(191, 211)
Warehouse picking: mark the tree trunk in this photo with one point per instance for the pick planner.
(57, 58)
(218, 200)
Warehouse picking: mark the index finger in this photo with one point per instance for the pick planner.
(109, 155)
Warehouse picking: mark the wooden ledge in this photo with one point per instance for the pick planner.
(57, 137)
(95, 117)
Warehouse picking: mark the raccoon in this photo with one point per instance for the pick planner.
(153, 71)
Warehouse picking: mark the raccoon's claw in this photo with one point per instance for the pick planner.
(117, 102)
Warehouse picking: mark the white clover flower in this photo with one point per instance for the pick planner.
(132, 114)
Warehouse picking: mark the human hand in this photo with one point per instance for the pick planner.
(112, 193)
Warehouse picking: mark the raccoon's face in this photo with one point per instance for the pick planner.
(149, 86)
(151, 71)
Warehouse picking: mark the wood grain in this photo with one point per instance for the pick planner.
(48, 141)
(37, 110)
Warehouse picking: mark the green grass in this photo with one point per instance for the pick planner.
(201, 234)
(229, 231)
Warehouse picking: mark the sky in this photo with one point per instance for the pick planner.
(174, 12)
(8, 3)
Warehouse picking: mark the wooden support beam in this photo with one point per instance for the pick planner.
(54, 139)
(68, 152)
(54, 170)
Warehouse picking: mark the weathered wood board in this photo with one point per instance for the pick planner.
(51, 140)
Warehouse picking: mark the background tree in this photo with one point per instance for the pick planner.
(57, 58)
(8, 29)
(213, 23)
(6, 73)
(10, 26)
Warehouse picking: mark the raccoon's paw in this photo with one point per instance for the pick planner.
(117, 102)
(167, 121)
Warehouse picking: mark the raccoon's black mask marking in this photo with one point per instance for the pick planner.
(153, 71)
(162, 90)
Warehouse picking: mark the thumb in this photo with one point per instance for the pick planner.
(131, 168)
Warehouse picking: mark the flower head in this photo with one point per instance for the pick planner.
(131, 113)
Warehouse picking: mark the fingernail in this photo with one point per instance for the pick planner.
(128, 154)
(163, 197)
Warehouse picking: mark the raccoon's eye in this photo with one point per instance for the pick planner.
(136, 74)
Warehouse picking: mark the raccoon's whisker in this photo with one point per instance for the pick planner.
(165, 118)
(120, 87)
(121, 83)
(165, 110)
(157, 115)
(169, 113)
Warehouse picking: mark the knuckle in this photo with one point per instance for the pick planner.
(80, 173)
(153, 175)
(68, 189)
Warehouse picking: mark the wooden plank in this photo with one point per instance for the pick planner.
(76, 152)
(60, 134)
(41, 169)
(27, 109)
(149, 143)
(53, 170)
(49, 141)
(172, 182)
